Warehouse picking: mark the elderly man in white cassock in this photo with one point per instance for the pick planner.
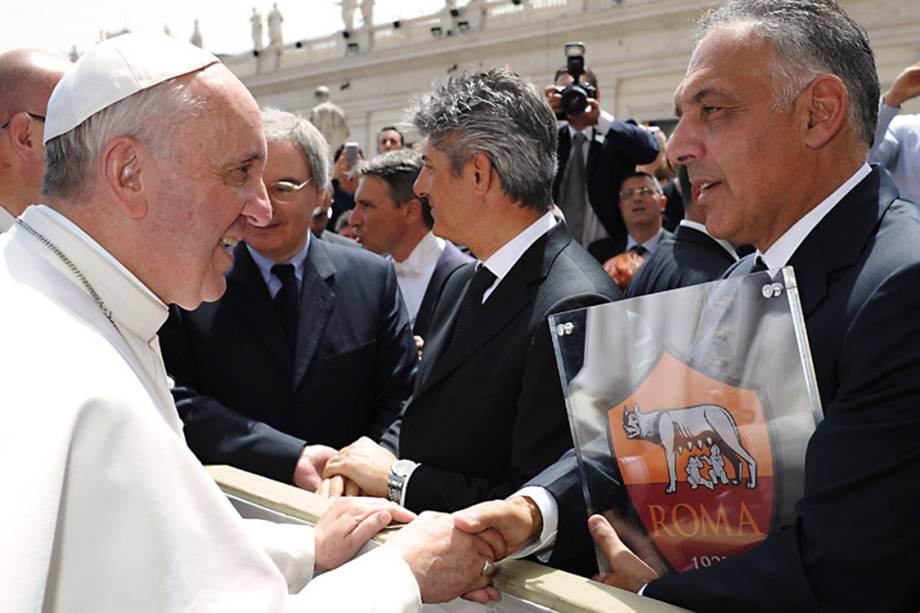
(154, 153)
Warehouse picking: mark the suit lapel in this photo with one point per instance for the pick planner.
(506, 301)
(442, 268)
(838, 239)
(439, 335)
(317, 301)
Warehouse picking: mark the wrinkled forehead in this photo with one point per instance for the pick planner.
(728, 58)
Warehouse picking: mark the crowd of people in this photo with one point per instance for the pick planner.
(408, 372)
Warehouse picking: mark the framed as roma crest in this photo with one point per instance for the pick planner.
(691, 411)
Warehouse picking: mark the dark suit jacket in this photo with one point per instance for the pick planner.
(608, 164)
(450, 260)
(854, 544)
(488, 413)
(244, 400)
(605, 248)
(688, 258)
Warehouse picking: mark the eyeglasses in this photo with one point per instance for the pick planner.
(32, 115)
(645, 192)
(286, 191)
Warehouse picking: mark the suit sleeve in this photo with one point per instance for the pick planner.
(397, 359)
(629, 142)
(214, 432)
(540, 433)
(856, 533)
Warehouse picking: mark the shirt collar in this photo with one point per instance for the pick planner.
(650, 245)
(133, 305)
(781, 251)
(503, 260)
(265, 264)
(6, 220)
(427, 250)
(702, 228)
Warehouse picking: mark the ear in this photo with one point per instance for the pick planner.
(124, 161)
(25, 140)
(480, 168)
(664, 203)
(826, 104)
(412, 211)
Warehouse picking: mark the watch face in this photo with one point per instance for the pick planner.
(402, 467)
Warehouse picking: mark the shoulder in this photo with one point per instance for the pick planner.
(575, 275)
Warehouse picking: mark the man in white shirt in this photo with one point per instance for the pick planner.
(26, 80)
(776, 113)
(390, 218)
(112, 512)
(487, 410)
(897, 137)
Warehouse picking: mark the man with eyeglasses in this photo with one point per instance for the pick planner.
(309, 347)
(641, 206)
(26, 80)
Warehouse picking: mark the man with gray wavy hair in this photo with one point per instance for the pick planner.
(154, 153)
(776, 113)
(487, 411)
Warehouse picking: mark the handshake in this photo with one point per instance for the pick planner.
(450, 555)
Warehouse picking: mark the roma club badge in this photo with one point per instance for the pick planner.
(694, 453)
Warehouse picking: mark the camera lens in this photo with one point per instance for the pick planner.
(574, 100)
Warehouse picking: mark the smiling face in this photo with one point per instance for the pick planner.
(292, 214)
(744, 155)
(209, 188)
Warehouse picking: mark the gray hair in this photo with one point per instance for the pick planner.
(399, 169)
(498, 114)
(810, 37)
(280, 126)
(151, 116)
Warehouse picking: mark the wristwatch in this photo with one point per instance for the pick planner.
(399, 472)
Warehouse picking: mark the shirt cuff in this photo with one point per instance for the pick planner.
(604, 121)
(405, 487)
(549, 509)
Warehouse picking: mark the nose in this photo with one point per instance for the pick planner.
(684, 145)
(257, 208)
(421, 183)
(357, 216)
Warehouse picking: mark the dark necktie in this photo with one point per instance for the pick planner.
(572, 201)
(481, 281)
(759, 265)
(639, 250)
(286, 301)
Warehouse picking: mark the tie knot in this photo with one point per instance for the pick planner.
(580, 138)
(285, 273)
(638, 249)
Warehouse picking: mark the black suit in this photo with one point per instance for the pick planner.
(605, 248)
(487, 412)
(625, 145)
(688, 258)
(854, 543)
(246, 402)
(448, 262)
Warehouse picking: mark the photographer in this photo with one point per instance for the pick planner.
(607, 151)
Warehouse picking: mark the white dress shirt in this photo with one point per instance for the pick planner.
(414, 273)
(87, 411)
(592, 229)
(500, 264)
(776, 256)
(897, 149)
(6, 220)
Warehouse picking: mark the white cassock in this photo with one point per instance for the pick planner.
(104, 508)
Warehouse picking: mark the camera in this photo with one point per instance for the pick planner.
(575, 96)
